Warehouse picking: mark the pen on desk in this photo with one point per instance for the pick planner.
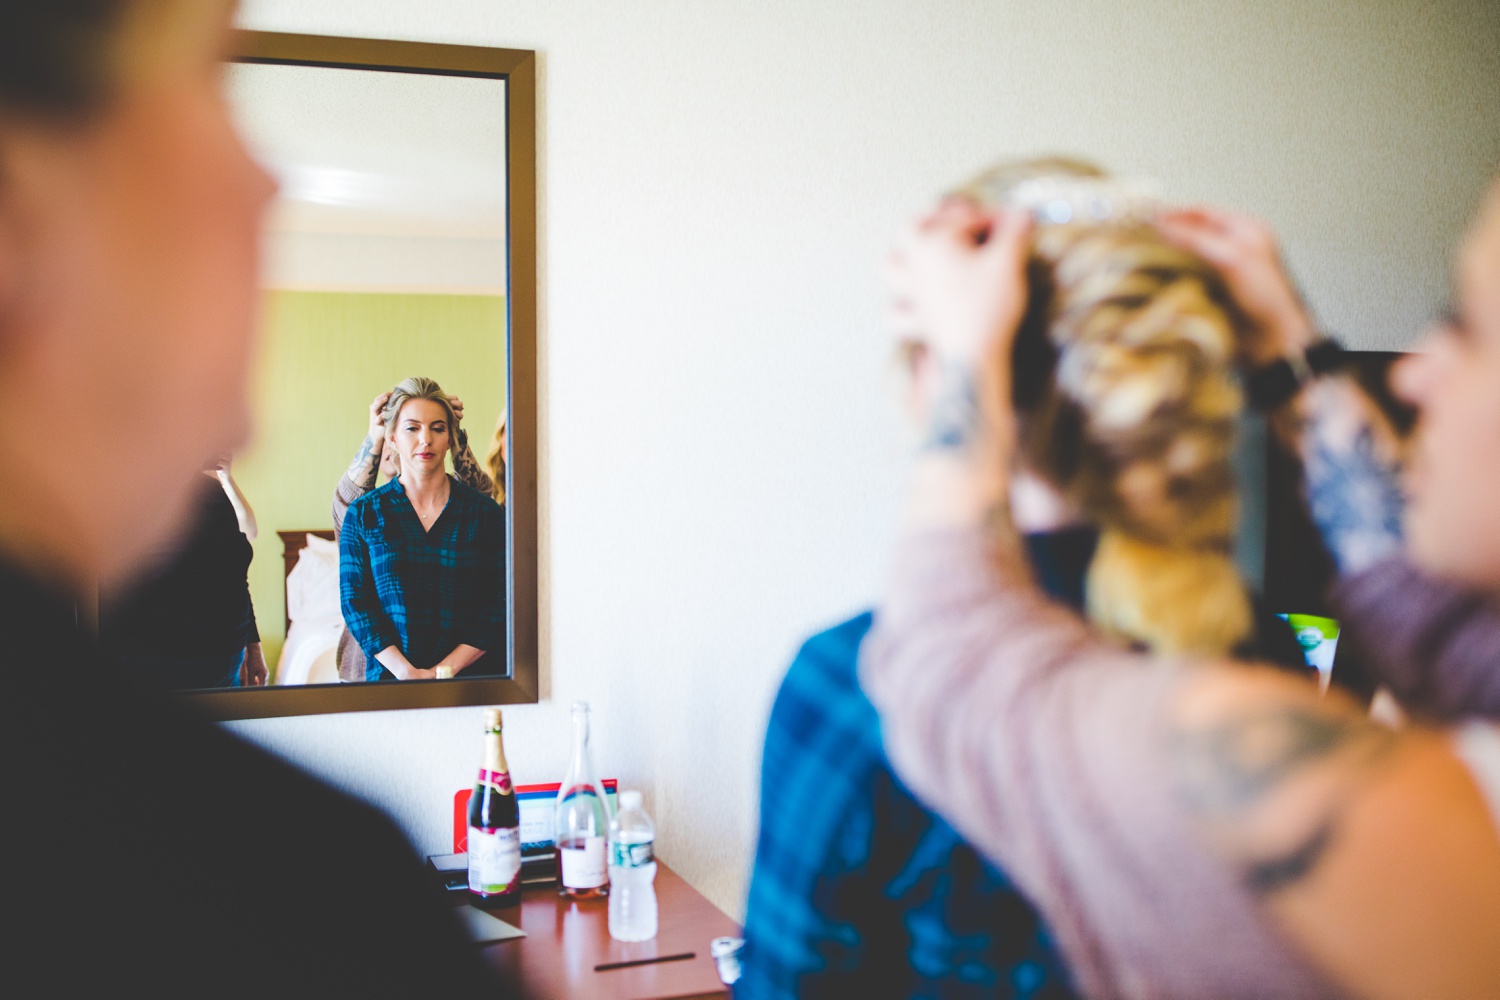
(607, 966)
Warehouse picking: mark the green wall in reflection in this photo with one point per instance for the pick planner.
(324, 356)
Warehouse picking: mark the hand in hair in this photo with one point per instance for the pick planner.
(1244, 250)
(377, 418)
(1350, 455)
(958, 287)
(958, 279)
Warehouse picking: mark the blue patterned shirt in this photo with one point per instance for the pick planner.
(424, 592)
(858, 890)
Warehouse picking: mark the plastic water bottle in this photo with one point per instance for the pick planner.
(632, 872)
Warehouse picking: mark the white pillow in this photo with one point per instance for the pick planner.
(312, 587)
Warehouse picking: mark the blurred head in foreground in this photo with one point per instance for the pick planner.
(1124, 379)
(129, 244)
(1453, 379)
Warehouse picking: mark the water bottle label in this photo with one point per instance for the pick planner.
(583, 863)
(622, 855)
(494, 858)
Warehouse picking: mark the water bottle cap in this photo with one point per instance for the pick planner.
(630, 799)
(580, 706)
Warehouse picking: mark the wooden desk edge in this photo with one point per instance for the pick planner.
(548, 966)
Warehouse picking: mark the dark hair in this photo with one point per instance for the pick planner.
(56, 55)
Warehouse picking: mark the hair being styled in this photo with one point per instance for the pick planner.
(418, 387)
(495, 461)
(1124, 382)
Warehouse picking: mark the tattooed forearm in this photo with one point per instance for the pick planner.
(366, 463)
(1271, 783)
(953, 416)
(1353, 488)
(468, 470)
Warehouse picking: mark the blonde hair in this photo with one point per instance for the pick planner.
(1124, 379)
(418, 387)
(495, 461)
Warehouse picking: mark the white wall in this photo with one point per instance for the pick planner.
(719, 181)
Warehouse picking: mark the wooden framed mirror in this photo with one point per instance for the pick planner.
(403, 244)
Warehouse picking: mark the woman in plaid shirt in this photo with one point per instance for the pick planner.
(374, 459)
(422, 558)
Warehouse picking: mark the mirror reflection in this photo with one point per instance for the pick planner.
(362, 538)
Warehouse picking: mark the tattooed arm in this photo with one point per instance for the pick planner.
(363, 469)
(960, 289)
(1163, 820)
(1351, 474)
(359, 478)
(467, 468)
(1345, 445)
(1376, 851)
(1434, 644)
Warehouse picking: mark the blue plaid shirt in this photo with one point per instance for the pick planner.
(859, 890)
(423, 592)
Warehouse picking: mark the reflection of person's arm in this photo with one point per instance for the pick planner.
(243, 512)
(358, 479)
(254, 672)
(1435, 645)
(461, 656)
(396, 662)
(363, 612)
(468, 470)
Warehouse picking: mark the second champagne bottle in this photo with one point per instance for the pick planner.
(581, 820)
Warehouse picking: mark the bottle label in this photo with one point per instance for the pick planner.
(494, 858)
(499, 780)
(583, 865)
(622, 855)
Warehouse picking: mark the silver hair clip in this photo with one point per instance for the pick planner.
(1086, 200)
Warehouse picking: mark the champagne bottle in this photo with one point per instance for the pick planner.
(494, 826)
(581, 821)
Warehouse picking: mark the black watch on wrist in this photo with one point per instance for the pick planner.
(1269, 386)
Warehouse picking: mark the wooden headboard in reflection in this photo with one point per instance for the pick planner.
(292, 544)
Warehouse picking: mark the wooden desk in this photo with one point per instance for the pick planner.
(566, 939)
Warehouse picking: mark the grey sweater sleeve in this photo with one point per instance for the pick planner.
(344, 494)
(1434, 644)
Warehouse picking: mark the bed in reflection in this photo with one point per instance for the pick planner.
(313, 618)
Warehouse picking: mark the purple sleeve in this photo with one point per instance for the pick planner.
(1434, 644)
